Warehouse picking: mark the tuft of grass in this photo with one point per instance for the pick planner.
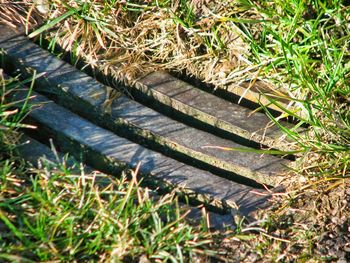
(18, 13)
(133, 38)
(56, 214)
(11, 117)
(306, 45)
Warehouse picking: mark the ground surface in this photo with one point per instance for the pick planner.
(300, 48)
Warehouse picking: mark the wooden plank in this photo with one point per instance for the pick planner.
(213, 110)
(38, 154)
(81, 93)
(110, 153)
(261, 92)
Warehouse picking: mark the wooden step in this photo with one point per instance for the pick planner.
(261, 92)
(110, 153)
(213, 110)
(40, 155)
(84, 95)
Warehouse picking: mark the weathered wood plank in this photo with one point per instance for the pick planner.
(38, 154)
(211, 109)
(260, 92)
(81, 93)
(109, 153)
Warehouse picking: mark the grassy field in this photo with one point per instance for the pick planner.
(300, 48)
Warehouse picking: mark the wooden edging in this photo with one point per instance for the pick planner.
(110, 153)
(82, 94)
(40, 155)
(210, 109)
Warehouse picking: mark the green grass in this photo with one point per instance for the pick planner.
(307, 45)
(10, 117)
(60, 215)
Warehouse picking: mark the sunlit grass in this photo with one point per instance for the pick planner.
(11, 117)
(307, 47)
(56, 214)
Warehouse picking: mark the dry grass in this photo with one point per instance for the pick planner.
(16, 13)
(130, 40)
